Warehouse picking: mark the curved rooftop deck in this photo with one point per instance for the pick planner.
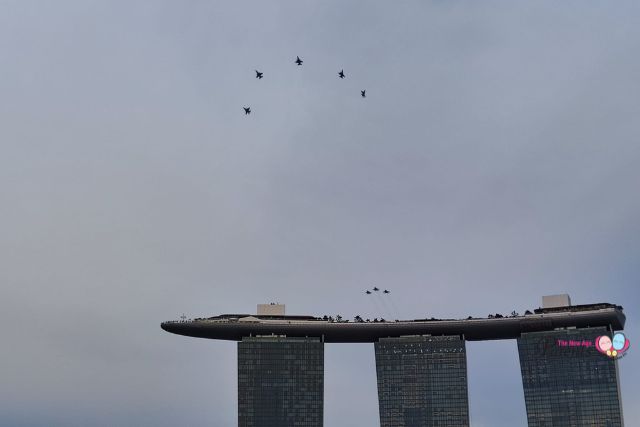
(234, 327)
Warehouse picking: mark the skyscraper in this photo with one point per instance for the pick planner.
(280, 382)
(421, 363)
(422, 381)
(567, 382)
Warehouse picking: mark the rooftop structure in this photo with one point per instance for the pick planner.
(551, 301)
(271, 309)
(235, 326)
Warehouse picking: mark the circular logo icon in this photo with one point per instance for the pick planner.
(612, 347)
(618, 341)
(603, 344)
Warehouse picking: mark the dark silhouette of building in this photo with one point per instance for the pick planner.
(567, 382)
(421, 364)
(280, 382)
(422, 381)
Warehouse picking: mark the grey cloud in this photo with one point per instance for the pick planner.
(493, 161)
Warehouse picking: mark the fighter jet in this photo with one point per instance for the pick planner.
(385, 291)
(299, 61)
(368, 292)
(376, 289)
(362, 92)
(258, 74)
(341, 74)
(247, 110)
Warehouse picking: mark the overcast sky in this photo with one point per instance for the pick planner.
(494, 160)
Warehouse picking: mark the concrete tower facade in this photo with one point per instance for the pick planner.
(280, 382)
(567, 382)
(422, 381)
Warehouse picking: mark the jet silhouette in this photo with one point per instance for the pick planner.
(299, 61)
(258, 74)
(341, 74)
(247, 110)
(362, 92)
(368, 292)
(376, 289)
(385, 291)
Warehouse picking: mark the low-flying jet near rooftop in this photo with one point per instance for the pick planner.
(299, 61)
(258, 74)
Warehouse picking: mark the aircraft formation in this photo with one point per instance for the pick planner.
(376, 289)
(382, 302)
(298, 62)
